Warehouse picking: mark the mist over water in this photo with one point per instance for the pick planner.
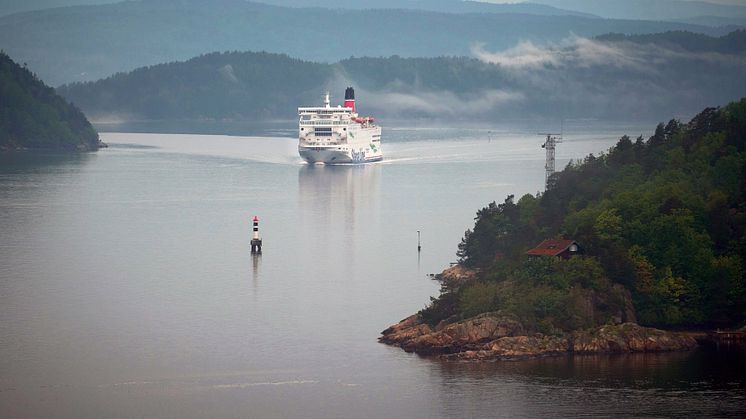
(127, 287)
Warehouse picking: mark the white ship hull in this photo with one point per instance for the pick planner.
(338, 135)
(333, 155)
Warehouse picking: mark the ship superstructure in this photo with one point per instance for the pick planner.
(338, 135)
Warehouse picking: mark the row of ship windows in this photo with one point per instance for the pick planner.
(327, 131)
(324, 122)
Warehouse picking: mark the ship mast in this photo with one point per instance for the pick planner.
(550, 145)
(327, 100)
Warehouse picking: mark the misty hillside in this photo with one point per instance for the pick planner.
(609, 77)
(17, 6)
(89, 42)
(246, 85)
(615, 9)
(33, 116)
(446, 6)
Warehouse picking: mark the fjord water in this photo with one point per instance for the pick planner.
(127, 288)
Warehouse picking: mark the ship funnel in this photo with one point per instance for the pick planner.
(350, 98)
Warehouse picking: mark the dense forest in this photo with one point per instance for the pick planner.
(662, 219)
(34, 116)
(613, 77)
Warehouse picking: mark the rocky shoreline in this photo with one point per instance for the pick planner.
(492, 336)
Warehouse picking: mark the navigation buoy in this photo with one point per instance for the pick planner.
(256, 242)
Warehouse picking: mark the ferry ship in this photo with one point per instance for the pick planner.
(338, 135)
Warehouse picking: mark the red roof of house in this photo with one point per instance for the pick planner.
(551, 247)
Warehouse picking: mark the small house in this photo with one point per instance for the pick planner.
(555, 247)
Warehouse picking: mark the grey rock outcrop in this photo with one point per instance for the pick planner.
(495, 336)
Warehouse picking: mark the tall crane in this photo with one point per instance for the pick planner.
(550, 145)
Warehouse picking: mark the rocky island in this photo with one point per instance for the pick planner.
(620, 248)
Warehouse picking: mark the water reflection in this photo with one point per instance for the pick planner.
(23, 161)
(338, 204)
(337, 192)
(607, 385)
(256, 262)
(722, 368)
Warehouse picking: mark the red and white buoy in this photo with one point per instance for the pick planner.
(256, 241)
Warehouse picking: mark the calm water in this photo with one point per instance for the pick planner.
(127, 288)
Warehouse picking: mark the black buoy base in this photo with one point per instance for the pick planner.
(256, 246)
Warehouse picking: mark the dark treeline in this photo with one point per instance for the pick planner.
(34, 116)
(606, 79)
(663, 217)
(689, 41)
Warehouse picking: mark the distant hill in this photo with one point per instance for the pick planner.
(445, 6)
(448, 6)
(612, 77)
(233, 85)
(716, 21)
(33, 116)
(16, 6)
(650, 9)
(90, 42)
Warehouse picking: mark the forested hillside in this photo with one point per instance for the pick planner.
(86, 43)
(664, 217)
(613, 77)
(214, 86)
(443, 6)
(33, 116)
